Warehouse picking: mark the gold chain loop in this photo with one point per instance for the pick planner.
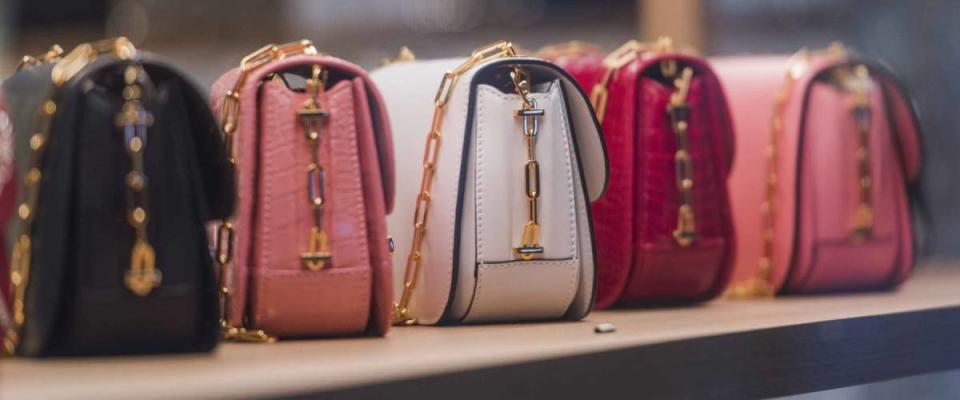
(312, 116)
(66, 68)
(530, 247)
(225, 236)
(401, 311)
(619, 58)
(133, 121)
(679, 111)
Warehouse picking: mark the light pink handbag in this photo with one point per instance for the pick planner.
(307, 253)
(827, 149)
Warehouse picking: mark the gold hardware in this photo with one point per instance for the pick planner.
(229, 114)
(622, 56)
(312, 116)
(679, 111)
(64, 69)
(133, 122)
(530, 247)
(52, 55)
(401, 311)
(404, 55)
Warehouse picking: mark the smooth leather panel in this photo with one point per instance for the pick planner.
(331, 302)
(502, 209)
(514, 291)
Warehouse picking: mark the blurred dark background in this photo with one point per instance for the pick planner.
(919, 39)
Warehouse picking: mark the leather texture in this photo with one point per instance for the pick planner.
(272, 289)
(76, 301)
(477, 203)
(639, 260)
(818, 178)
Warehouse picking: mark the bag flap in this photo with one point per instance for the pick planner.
(339, 69)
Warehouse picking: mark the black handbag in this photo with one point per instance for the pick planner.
(120, 166)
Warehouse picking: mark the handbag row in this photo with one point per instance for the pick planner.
(142, 217)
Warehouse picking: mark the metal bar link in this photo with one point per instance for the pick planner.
(863, 215)
(401, 309)
(313, 117)
(679, 111)
(530, 247)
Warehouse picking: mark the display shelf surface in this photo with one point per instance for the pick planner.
(725, 348)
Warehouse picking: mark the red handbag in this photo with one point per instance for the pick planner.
(664, 230)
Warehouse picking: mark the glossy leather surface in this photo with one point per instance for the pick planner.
(353, 293)
(639, 260)
(501, 290)
(76, 300)
(813, 250)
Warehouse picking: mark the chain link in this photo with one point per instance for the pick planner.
(66, 68)
(619, 58)
(530, 247)
(133, 121)
(225, 235)
(863, 216)
(679, 111)
(401, 311)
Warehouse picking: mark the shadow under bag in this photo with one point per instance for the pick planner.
(120, 166)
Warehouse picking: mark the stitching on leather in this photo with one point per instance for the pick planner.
(554, 94)
(478, 179)
(570, 287)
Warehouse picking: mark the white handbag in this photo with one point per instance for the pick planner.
(501, 215)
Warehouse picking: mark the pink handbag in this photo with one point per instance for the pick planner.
(827, 146)
(307, 253)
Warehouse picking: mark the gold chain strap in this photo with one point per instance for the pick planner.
(530, 247)
(401, 312)
(224, 237)
(622, 56)
(312, 116)
(65, 69)
(679, 111)
(50, 56)
(133, 121)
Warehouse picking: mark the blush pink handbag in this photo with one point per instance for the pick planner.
(827, 150)
(307, 253)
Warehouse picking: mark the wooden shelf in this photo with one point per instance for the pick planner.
(723, 349)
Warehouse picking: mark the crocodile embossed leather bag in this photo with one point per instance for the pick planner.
(499, 196)
(119, 166)
(307, 253)
(828, 153)
(664, 230)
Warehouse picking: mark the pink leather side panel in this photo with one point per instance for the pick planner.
(284, 217)
(380, 260)
(826, 258)
(751, 84)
